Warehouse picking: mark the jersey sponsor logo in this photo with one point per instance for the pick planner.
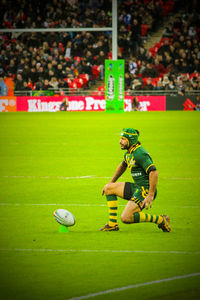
(130, 162)
(137, 174)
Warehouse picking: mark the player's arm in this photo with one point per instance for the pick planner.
(153, 181)
(119, 171)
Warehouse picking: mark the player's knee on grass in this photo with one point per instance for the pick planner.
(127, 219)
(131, 208)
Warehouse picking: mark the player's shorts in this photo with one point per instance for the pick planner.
(136, 193)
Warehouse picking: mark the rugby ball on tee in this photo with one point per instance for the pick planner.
(64, 217)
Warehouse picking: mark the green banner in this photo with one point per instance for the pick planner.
(114, 85)
(43, 93)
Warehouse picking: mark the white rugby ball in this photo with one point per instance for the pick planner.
(64, 217)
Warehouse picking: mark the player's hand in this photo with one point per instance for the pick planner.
(147, 201)
(103, 191)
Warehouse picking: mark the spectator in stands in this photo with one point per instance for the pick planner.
(176, 66)
(198, 103)
(133, 65)
(168, 31)
(12, 68)
(167, 84)
(2, 72)
(46, 85)
(33, 75)
(136, 85)
(102, 19)
(39, 84)
(192, 32)
(148, 57)
(68, 50)
(149, 71)
(123, 45)
(148, 20)
(53, 83)
(19, 83)
(159, 85)
(180, 87)
(167, 62)
(62, 84)
(142, 67)
(76, 50)
(148, 86)
(134, 36)
(185, 68)
(195, 66)
(141, 56)
(3, 59)
(51, 74)
(90, 58)
(165, 47)
(128, 80)
(3, 87)
(136, 76)
(101, 63)
(86, 68)
(159, 67)
(26, 88)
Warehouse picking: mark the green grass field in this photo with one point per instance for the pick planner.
(63, 160)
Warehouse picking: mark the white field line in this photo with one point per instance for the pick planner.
(79, 205)
(98, 251)
(87, 176)
(52, 204)
(134, 286)
(50, 177)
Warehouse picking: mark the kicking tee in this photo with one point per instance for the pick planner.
(140, 164)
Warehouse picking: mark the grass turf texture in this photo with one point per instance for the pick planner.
(42, 156)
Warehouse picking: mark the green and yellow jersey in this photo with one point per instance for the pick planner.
(140, 164)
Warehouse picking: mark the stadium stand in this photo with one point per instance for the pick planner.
(68, 60)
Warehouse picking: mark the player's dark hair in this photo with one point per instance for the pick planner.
(137, 132)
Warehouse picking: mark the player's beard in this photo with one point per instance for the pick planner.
(123, 147)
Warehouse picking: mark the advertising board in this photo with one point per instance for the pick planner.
(7, 104)
(86, 103)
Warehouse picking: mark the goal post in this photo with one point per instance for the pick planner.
(114, 85)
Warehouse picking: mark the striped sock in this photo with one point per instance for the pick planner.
(112, 203)
(142, 217)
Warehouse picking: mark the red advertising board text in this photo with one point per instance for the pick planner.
(86, 103)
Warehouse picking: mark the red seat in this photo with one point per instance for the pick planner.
(101, 88)
(62, 48)
(145, 80)
(68, 80)
(196, 74)
(95, 71)
(78, 82)
(85, 78)
(77, 58)
(109, 55)
(155, 81)
(144, 29)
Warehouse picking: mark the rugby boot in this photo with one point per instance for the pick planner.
(110, 228)
(165, 224)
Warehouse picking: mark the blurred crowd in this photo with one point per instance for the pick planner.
(51, 60)
(55, 13)
(173, 63)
